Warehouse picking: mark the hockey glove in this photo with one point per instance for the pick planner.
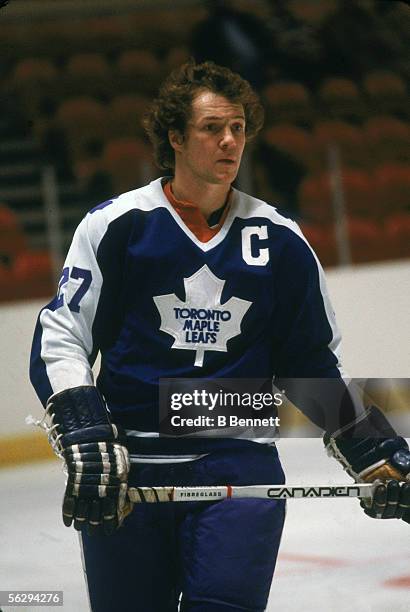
(370, 450)
(97, 463)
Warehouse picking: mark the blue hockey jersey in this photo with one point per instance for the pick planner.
(141, 289)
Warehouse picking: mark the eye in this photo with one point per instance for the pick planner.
(238, 127)
(211, 127)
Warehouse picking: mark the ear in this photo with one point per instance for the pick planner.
(176, 139)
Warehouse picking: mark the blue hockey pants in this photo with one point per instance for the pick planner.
(220, 555)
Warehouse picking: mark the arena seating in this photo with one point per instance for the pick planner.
(293, 141)
(348, 138)
(315, 199)
(127, 161)
(126, 113)
(387, 94)
(312, 12)
(89, 73)
(23, 271)
(388, 139)
(177, 56)
(397, 233)
(341, 99)
(366, 240)
(315, 196)
(392, 188)
(12, 238)
(83, 119)
(288, 102)
(138, 69)
(321, 236)
(33, 274)
(33, 71)
(29, 79)
(84, 83)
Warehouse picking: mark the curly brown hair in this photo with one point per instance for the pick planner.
(171, 110)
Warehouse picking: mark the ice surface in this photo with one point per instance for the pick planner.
(333, 558)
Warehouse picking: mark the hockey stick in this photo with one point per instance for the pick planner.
(216, 493)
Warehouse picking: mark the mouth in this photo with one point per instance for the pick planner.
(227, 161)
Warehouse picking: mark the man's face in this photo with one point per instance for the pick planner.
(210, 151)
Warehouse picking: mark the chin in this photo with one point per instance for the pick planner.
(227, 181)
(227, 178)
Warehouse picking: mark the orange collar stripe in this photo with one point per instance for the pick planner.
(193, 217)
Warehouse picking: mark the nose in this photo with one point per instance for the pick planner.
(227, 139)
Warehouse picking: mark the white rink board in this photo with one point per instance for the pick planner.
(372, 310)
(332, 558)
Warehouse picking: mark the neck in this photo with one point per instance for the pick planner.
(206, 196)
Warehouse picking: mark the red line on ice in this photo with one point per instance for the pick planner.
(401, 582)
(326, 561)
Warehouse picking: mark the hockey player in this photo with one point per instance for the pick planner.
(188, 241)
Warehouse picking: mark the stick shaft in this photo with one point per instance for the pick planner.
(217, 493)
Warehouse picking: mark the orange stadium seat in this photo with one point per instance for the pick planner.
(33, 274)
(312, 12)
(397, 232)
(90, 162)
(110, 33)
(168, 24)
(322, 240)
(55, 37)
(83, 119)
(8, 285)
(288, 103)
(11, 35)
(127, 161)
(392, 187)
(88, 73)
(29, 276)
(139, 70)
(388, 139)
(12, 237)
(366, 240)
(33, 71)
(387, 93)
(359, 194)
(340, 99)
(177, 56)
(126, 113)
(88, 66)
(293, 141)
(316, 198)
(348, 138)
(31, 79)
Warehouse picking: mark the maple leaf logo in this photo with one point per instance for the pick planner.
(201, 323)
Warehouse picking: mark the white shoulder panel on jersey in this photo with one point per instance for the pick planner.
(66, 341)
(247, 207)
(145, 199)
